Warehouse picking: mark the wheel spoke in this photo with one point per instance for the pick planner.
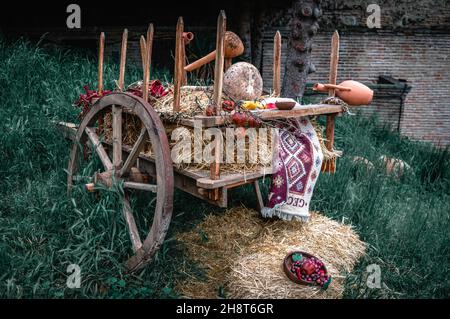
(131, 223)
(117, 136)
(93, 137)
(141, 186)
(135, 151)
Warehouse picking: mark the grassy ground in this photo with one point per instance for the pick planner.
(42, 231)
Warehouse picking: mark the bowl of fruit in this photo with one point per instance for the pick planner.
(306, 269)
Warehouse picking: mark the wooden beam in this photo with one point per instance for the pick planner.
(277, 64)
(123, 58)
(99, 149)
(178, 72)
(143, 46)
(101, 49)
(145, 76)
(334, 59)
(330, 166)
(135, 151)
(304, 110)
(141, 186)
(131, 223)
(219, 64)
(217, 93)
(117, 136)
(215, 165)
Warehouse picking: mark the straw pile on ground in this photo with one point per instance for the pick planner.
(241, 255)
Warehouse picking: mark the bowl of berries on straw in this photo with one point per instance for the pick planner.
(306, 269)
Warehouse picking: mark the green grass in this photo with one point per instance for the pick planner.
(42, 231)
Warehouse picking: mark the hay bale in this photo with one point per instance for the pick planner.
(243, 253)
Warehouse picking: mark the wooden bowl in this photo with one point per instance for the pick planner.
(287, 264)
(285, 105)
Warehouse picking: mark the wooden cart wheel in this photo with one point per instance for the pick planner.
(116, 170)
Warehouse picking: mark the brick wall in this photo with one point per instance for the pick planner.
(422, 58)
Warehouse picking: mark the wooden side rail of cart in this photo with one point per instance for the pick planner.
(199, 183)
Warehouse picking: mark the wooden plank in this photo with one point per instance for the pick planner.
(299, 111)
(134, 153)
(123, 58)
(99, 149)
(303, 110)
(178, 72)
(219, 63)
(141, 186)
(117, 136)
(206, 121)
(131, 223)
(276, 86)
(231, 179)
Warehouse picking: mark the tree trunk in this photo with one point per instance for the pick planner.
(304, 26)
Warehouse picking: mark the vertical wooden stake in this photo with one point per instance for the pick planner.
(143, 46)
(123, 58)
(101, 48)
(220, 55)
(330, 166)
(334, 59)
(183, 62)
(178, 72)
(145, 66)
(146, 48)
(277, 64)
(214, 168)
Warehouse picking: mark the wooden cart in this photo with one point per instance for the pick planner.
(156, 174)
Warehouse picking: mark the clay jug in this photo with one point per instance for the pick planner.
(351, 92)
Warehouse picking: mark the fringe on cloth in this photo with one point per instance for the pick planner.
(277, 211)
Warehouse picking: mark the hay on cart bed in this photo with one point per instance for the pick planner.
(241, 255)
(194, 100)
